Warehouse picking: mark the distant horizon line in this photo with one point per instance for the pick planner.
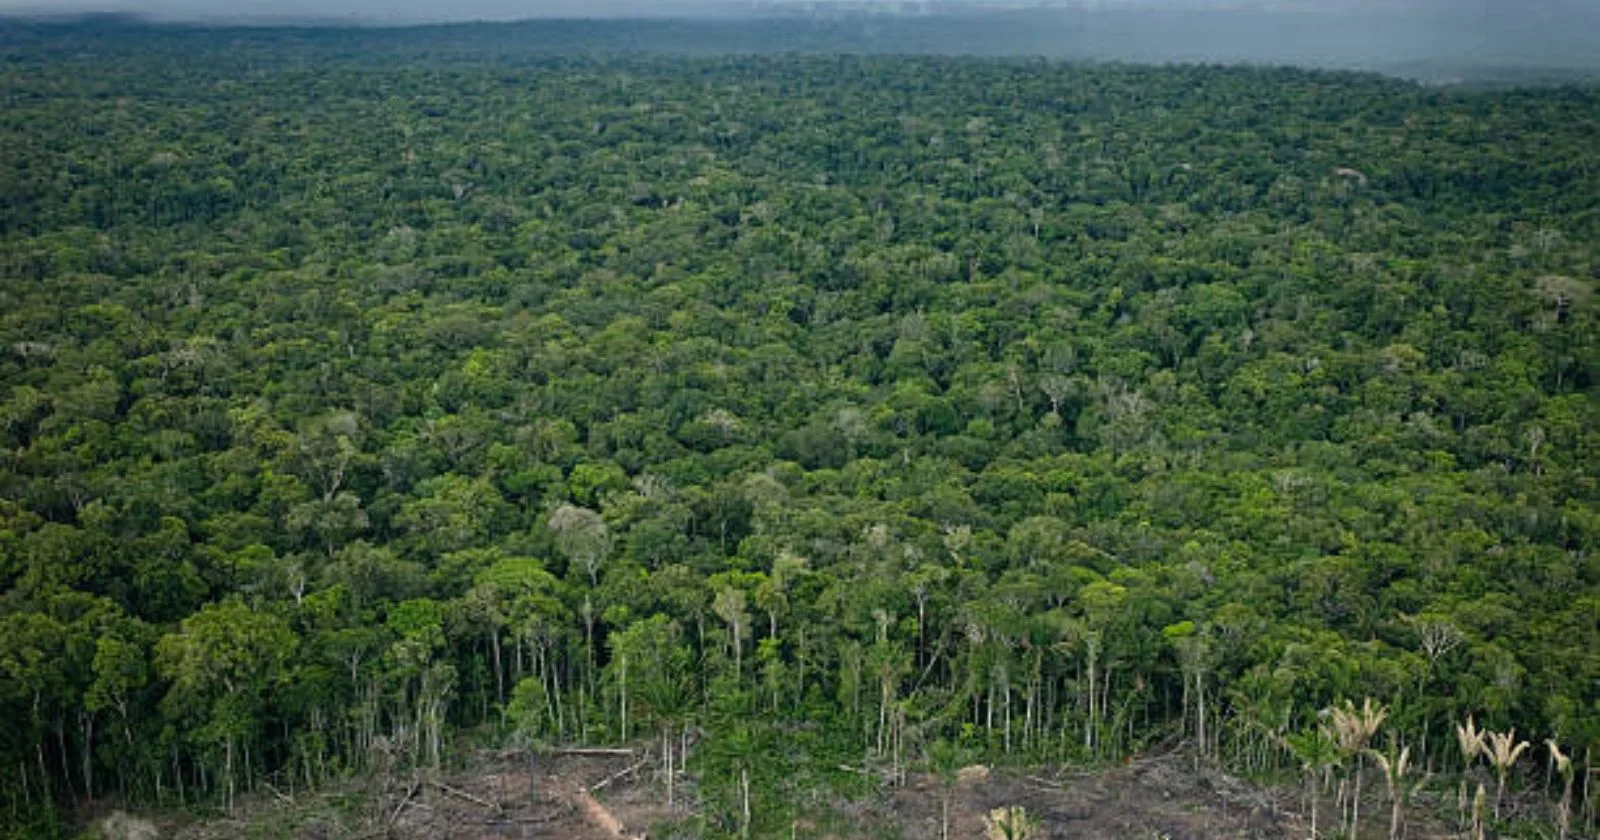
(696, 10)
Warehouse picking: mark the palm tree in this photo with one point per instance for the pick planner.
(1478, 807)
(1394, 777)
(1504, 750)
(1470, 739)
(1012, 823)
(946, 759)
(1316, 750)
(1354, 728)
(1564, 767)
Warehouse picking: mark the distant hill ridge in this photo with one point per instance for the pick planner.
(1554, 42)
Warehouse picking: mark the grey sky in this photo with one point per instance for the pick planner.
(1360, 33)
(442, 10)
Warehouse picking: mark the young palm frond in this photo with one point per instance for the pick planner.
(1011, 823)
(1470, 739)
(1563, 764)
(1503, 750)
(1478, 807)
(1354, 729)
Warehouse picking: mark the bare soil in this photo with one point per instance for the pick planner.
(495, 797)
(1160, 798)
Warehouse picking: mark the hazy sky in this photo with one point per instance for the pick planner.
(436, 10)
(1320, 32)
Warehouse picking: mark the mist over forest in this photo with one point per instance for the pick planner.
(1434, 40)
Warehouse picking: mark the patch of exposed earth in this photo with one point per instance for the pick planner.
(605, 795)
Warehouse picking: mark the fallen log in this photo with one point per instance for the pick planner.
(606, 782)
(592, 751)
(601, 818)
(410, 792)
(461, 794)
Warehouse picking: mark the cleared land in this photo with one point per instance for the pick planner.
(1155, 797)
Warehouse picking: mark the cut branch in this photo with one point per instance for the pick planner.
(461, 794)
(606, 782)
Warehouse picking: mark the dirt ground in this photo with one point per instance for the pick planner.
(1151, 799)
(1157, 798)
(494, 798)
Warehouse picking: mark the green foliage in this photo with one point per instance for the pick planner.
(864, 411)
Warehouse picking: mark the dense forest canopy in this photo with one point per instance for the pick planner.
(355, 401)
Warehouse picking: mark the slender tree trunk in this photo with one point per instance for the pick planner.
(921, 629)
(88, 755)
(1184, 724)
(1355, 802)
(802, 659)
(1566, 806)
(883, 713)
(1027, 715)
(1088, 731)
(588, 633)
(666, 761)
(1311, 789)
(744, 796)
(1342, 803)
(1005, 688)
(1499, 792)
(66, 764)
(1588, 785)
(499, 672)
(1394, 814)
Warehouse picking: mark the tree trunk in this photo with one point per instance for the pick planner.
(1355, 802)
(1005, 688)
(88, 755)
(1088, 731)
(66, 764)
(177, 773)
(1566, 807)
(1311, 788)
(499, 672)
(744, 797)
(1185, 703)
(1342, 803)
(666, 761)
